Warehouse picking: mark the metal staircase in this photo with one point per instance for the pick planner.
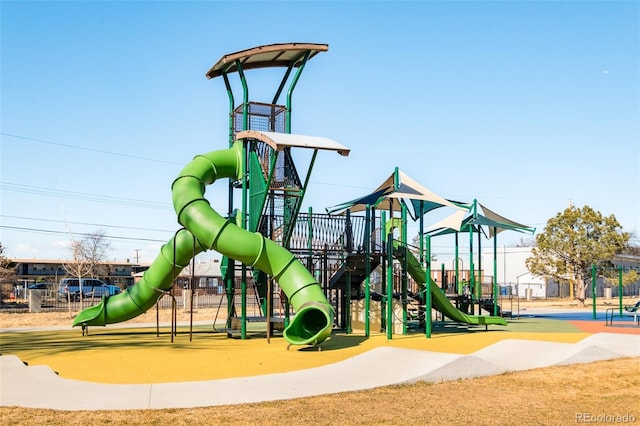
(354, 263)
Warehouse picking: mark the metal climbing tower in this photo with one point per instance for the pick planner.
(272, 189)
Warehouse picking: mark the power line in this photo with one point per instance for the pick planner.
(82, 234)
(100, 151)
(38, 190)
(118, 154)
(136, 157)
(85, 223)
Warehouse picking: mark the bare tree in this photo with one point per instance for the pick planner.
(414, 247)
(7, 274)
(88, 258)
(633, 246)
(97, 247)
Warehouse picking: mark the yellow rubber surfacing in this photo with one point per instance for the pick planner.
(138, 356)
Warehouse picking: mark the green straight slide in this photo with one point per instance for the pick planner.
(438, 299)
(204, 230)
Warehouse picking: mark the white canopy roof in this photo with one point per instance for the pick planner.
(279, 141)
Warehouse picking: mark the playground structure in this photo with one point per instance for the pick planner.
(326, 270)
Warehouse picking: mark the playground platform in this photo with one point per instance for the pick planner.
(117, 368)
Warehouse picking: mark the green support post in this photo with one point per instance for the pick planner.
(310, 232)
(421, 235)
(383, 267)
(245, 96)
(367, 271)
(421, 231)
(443, 282)
(427, 289)
(348, 302)
(228, 263)
(620, 288)
(390, 285)
(472, 286)
(458, 283)
(388, 255)
(276, 96)
(243, 221)
(404, 270)
(243, 224)
(290, 92)
(232, 105)
(479, 283)
(495, 272)
(472, 278)
(310, 254)
(593, 288)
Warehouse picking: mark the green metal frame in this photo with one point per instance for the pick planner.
(254, 196)
(367, 266)
(427, 288)
(405, 281)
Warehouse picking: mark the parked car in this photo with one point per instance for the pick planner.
(91, 287)
(41, 286)
(46, 290)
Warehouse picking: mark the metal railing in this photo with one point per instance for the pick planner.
(50, 301)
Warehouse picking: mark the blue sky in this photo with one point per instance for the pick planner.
(525, 106)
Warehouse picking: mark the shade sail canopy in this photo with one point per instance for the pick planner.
(457, 222)
(472, 221)
(397, 189)
(270, 55)
(453, 223)
(503, 224)
(279, 141)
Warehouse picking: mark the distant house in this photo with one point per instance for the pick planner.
(206, 275)
(530, 286)
(29, 271)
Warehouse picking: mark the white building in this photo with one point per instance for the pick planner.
(512, 272)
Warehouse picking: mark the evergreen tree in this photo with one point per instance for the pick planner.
(572, 242)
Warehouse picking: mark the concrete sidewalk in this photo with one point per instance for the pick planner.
(40, 387)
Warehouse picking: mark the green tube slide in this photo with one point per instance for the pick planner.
(204, 227)
(439, 300)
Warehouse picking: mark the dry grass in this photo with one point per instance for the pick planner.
(549, 396)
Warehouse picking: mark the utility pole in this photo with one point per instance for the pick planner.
(137, 255)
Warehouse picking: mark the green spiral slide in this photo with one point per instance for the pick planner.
(205, 228)
(439, 300)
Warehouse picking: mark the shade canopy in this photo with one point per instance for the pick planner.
(279, 141)
(267, 56)
(472, 221)
(397, 189)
